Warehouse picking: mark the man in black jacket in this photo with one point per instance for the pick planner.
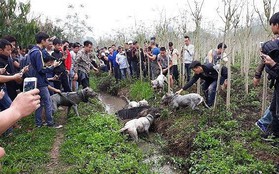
(6, 67)
(209, 74)
(60, 71)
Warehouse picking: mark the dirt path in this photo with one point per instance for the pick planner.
(54, 166)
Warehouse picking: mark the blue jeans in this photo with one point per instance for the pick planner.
(209, 90)
(266, 118)
(45, 102)
(123, 73)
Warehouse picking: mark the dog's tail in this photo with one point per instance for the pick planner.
(123, 129)
(125, 98)
(203, 101)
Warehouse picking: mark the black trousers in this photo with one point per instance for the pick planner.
(175, 72)
(274, 108)
(83, 79)
(64, 81)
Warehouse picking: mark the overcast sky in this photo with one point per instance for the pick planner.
(108, 15)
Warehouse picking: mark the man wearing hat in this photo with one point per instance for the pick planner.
(207, 73)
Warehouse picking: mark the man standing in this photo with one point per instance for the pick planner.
(83, 64)
(122, 61)
(210, 76)
(73, 83)
(174, 58)
(36, 58)
(114, 66)
(187, 51)
(270, 58)
(5, 70)
(152, 56)
(165, 63)
(61, 70)
(214, 55)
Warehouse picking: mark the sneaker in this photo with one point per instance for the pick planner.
(268, 137)
(38, 126)
(55, 126)
(261, 126)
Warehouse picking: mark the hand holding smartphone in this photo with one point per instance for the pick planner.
(29, 84)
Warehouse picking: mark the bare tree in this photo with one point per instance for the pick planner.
(196, 13)
(76, 26)
(229, 11)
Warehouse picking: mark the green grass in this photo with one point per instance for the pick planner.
(141, 90)
(93, 144)
(28, 148)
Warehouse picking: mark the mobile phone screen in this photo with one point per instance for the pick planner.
(29, 85)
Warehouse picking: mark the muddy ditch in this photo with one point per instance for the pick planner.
(154, 154)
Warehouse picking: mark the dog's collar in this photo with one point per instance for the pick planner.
(67, 98)
(149, 119)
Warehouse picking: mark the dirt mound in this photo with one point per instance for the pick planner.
(177, 147)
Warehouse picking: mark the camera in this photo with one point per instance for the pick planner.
(29, 83)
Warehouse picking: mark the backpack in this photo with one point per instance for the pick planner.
(27, 62)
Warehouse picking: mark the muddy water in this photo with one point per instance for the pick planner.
(112, 104)
(155, 156)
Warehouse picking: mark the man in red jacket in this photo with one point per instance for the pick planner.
(68, 60)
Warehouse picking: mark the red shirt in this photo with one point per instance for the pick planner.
(68, 61)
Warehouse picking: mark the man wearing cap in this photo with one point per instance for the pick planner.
(207, 73)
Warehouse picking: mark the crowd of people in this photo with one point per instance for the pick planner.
(63, 66)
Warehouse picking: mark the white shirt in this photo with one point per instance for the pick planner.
(174, 56)
(122, 61)
(188, 53)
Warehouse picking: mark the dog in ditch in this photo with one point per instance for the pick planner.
(138, 125)
(177, 101)
(133, 104)
(71, 99)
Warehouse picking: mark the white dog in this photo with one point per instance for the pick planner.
(133, 104)
(158, 83)
(177, 100)
(135, 126)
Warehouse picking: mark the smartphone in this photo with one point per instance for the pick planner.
(29, 83)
